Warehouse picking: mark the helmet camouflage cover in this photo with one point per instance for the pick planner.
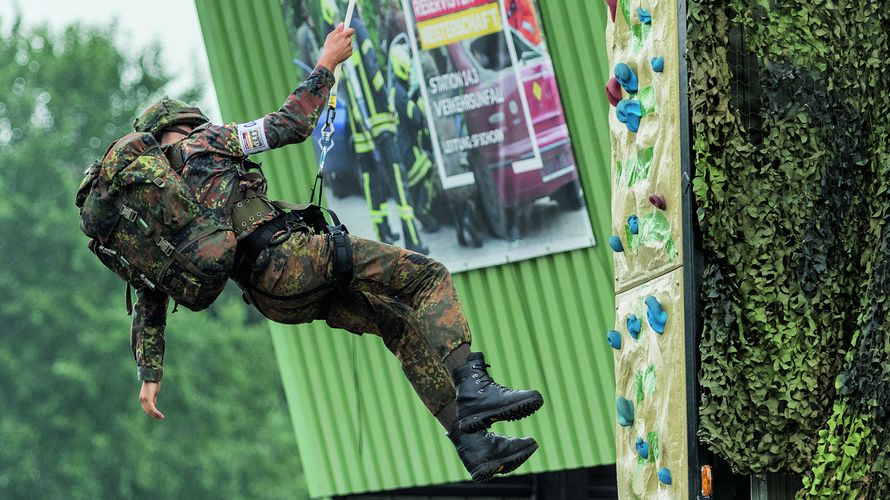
(166, 113)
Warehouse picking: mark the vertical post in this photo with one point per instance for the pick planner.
(692, 264)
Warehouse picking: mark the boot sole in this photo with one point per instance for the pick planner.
(486, 471)
(515, 411)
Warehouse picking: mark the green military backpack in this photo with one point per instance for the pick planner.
(145, 224)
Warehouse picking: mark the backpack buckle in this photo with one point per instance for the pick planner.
(166, 247)
(159, 182)
(128, 213)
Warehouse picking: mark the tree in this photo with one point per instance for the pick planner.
(70, 421)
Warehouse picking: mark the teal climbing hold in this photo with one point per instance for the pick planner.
(614, 339)
(657, 64)
(664, 475)
(615, 243)
(634, 326)
(656, 314)
(642, 448)
(629, 112)
(644, 15)
(627, 78)
(625, 412)
(633, 224)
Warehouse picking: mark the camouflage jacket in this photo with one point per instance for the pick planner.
(211, 160)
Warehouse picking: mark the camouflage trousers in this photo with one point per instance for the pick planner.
(406, 298)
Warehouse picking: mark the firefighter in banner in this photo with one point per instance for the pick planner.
(364, 72)
(375, 180)
(414, 138)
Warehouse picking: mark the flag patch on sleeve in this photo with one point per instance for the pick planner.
(252, 136)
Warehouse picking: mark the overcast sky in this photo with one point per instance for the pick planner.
(173, 23)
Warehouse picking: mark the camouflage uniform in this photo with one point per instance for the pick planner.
(404, 297)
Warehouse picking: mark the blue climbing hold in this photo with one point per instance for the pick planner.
(629, 112)
(633, 224)
(634, 325)
(645, 15)
(615, 339)
(626, 77)
(625, 412)
(615, 243)
(657, 64)
(664, 475)
(642, 448)
(656, 314)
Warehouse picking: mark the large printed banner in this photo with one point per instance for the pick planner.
(450, 134)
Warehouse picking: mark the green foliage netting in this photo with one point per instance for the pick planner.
(789, 108)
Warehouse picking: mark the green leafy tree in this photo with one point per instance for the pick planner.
(70, 421)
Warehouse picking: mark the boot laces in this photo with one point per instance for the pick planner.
(485, 379)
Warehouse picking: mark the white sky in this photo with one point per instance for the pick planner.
(173, 23)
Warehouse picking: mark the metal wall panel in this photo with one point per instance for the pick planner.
(541, 322)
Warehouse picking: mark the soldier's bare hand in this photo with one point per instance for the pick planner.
(148, 397)
(337, 47)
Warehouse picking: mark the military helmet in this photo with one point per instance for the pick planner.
(401, 61)
(167, 113)
(329, 11)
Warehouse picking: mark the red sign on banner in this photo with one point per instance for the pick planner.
(428, 9)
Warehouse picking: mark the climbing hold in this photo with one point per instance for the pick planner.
(625, 412)
(615, 243)
(658, 200)
(657, 64)
(644, 15)
(612, 7)
(626, 77)
(664, 475)
(634, 325)
(613, 91)
(633, 224)
(615, 339)
(656, 314)
(629, 112)
(642, 448)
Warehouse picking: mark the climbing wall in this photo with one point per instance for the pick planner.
(648, 339)
(650, 382)
(644, 121)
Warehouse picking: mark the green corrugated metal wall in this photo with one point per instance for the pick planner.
(359, 426)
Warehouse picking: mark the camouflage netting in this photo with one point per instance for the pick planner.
(789, 103)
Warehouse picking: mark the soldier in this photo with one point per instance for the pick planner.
(293, 275)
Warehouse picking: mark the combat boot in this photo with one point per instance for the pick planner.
(485, 454)
(481, 401)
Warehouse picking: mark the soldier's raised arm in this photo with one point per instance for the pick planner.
(297, 117)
